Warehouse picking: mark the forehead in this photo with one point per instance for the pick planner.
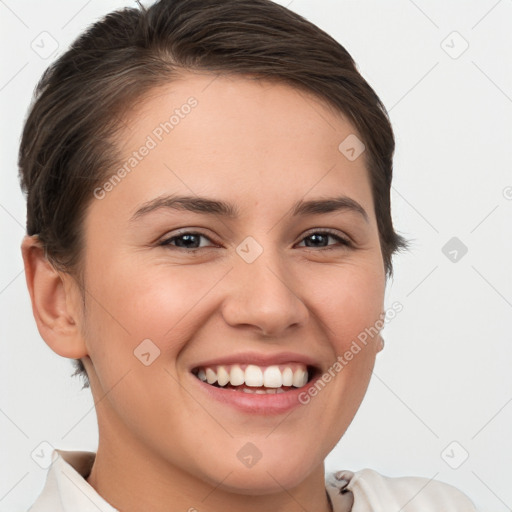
(234, 104)
(228, 136)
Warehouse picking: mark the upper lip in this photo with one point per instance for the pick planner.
(258, 359)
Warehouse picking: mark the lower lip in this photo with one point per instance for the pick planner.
(263, 404)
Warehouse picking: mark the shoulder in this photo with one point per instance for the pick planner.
(375, 492)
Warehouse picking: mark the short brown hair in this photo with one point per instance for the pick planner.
(68, 143)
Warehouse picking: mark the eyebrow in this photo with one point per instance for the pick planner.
(204, 205)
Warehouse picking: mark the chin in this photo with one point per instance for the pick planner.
(268, 475)
(264, 480)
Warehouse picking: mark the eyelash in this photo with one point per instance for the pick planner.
(344, 242)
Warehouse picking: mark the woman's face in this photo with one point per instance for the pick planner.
(240, 274)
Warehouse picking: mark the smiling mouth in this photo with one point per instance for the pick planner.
(249, 378)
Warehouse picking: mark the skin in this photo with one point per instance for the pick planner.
(162, 444)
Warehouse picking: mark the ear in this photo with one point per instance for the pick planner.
(56, 301)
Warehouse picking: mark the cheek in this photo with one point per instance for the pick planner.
(140, 319)
(136, 302)
(349, 301)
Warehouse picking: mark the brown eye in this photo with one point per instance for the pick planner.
(187, 240)
(320, 239)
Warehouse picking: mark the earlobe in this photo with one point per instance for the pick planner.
(54, 302)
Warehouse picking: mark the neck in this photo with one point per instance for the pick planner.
(137, 479)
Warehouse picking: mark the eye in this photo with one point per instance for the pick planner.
(186, 240)
(191, 240)
(320, 240)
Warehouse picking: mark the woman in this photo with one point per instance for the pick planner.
(209, 236)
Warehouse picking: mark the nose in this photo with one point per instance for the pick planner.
(262, 296)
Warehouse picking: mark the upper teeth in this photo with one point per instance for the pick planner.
(255, 376)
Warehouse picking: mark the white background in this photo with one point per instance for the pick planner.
(444, 374)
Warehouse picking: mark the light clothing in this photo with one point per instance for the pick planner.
(67, 490)
(373, 492)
